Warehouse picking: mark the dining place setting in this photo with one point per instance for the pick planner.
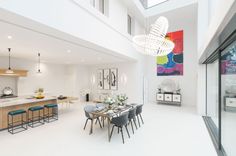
(115, 112)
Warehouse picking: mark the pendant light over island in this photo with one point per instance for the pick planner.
(9, 71)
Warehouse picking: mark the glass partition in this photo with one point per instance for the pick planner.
(212, 109)
(228, 102)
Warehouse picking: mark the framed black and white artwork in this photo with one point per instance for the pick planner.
(100, 79)
(106, 79)
(114, 79)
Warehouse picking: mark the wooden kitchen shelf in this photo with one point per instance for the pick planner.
(17, 73)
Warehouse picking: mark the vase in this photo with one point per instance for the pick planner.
(122, 103)
(87, 97)
(109, 106)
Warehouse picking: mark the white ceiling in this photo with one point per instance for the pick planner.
(26, 44)
(186, 13)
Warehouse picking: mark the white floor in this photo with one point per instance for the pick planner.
(228, 132)
(168, 131)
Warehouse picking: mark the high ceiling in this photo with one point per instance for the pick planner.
(26, 44)
(136, 7)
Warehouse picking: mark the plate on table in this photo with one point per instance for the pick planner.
(110, 111)
(121, 107)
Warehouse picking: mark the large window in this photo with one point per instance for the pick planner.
(221, 96)
(129, 24)
(92, 2)
(228, 102)
(100, 5)
(151, 3)
(212, 109)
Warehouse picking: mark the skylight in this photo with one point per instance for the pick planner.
(151, 3)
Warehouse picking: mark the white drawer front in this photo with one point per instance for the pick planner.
(176, 98)
(168, 97)
(231, 102)
(160, 97)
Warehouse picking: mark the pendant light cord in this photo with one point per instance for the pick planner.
(39, 62)
(9, 59)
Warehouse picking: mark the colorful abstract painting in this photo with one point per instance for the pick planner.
(172, 64)
(228, 62)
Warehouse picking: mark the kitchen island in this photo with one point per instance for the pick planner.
(11, 104)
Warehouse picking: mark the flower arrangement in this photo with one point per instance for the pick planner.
(121, 99)
(109, 101)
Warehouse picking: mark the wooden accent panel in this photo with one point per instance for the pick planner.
(5, 110)
(20, 73)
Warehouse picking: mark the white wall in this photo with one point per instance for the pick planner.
(56, 79)
(79, 19)
(8, 82)
(130, 80)
(187, 82)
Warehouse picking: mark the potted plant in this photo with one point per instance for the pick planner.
(121, 99)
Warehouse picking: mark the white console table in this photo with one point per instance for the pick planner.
(169, 98)
(229, 103)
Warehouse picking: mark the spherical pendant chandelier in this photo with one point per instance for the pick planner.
(155, 42)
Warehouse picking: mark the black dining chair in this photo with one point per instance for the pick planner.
(132, 118)
(120, 122)
(88, 110)
(101, 106)
(139, 110)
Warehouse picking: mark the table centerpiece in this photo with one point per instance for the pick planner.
(109, 101)
(121, 99)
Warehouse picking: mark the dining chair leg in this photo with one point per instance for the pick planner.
(91, 128)
(138, 121)
(141, 118)
(135, 123)
(112, 131)
(99, 122)
(103, 121)
(127, 130)
(86, 123)
(132, 126)
(121, 130)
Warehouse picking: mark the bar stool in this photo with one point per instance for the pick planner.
(20, 124)
(50, 113)
(35, 116)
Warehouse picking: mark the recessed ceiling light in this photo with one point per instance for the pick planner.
(9, 37)
(68, 51)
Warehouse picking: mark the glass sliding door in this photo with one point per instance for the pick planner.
(228, 96)
(212, 109)
(220, 60)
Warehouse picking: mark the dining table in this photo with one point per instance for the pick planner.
(109, 112)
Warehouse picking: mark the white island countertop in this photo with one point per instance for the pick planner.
(23, 100)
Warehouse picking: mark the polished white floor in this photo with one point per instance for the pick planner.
(168, 131)
(228, 128)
